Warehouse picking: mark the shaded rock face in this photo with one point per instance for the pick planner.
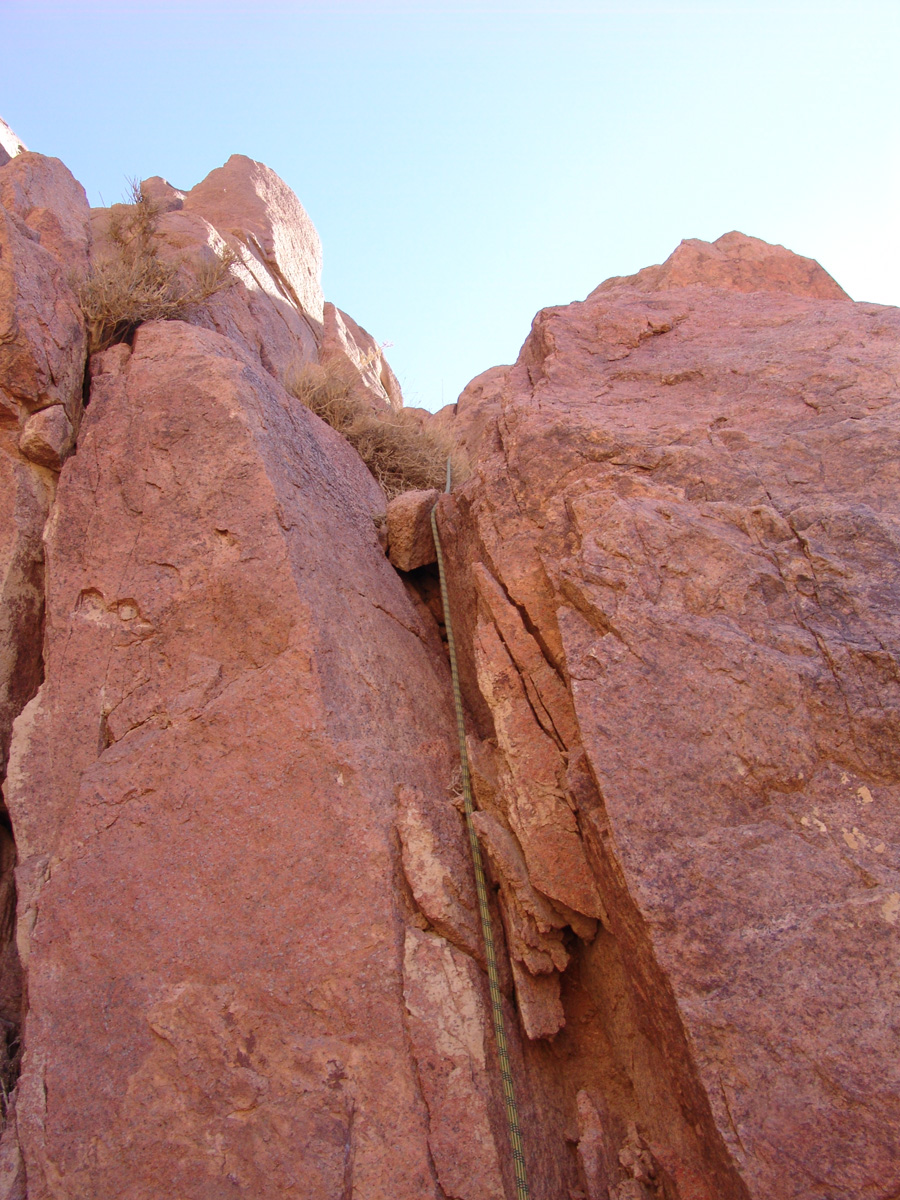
(44, 241)
(676, 569)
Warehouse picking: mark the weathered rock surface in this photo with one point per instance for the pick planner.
(245, 903)
(203, 794)
(248, 201)
(676, 570)
(409, 533)
(44, 240)
(344, 341)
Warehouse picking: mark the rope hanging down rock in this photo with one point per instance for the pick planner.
(509, 1095)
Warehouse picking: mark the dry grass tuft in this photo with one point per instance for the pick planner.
(132, 283)
(403, 454)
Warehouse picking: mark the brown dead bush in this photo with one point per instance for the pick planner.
(131, 283)
(403, 454)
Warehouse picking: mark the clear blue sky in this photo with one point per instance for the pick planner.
(469, 163)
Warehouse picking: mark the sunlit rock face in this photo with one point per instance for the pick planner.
(684, 516)
(204, 796)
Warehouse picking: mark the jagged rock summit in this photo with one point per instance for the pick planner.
(239, 918)
(736, 263)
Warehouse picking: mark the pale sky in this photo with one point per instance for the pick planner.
(469, 163)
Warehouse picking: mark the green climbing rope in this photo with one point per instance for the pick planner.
(509, 1095)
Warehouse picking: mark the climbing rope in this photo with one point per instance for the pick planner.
(509, 1095)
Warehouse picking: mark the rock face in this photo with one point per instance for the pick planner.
(243, 900)
(204, 806)
(44, 242)
(676, 569)
(10, 145)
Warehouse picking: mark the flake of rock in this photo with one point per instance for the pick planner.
(449, 1025)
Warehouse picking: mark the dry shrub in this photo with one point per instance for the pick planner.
(131, 283)
(403, 454)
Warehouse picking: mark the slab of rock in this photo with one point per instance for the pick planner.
(203, 794)
(437, 865)
(409, 532)
(688, 488)
(450, 1027)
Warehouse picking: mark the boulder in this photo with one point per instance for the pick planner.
(44, 238)
(162, 195)
(685, 493)
(48, 437)
(410, 537)
(44, 241)
(272, 306)
(737, 263)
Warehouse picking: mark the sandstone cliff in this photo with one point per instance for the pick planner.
(243, 933)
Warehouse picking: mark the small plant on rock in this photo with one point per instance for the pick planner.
(132, 283)
(400, 451)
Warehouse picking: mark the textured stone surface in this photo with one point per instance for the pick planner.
(47, 437)
(219, 764)
(409, 533)
(44, 240)
(449, 1027)
(687, 489)
(345, 341)
(247, 200)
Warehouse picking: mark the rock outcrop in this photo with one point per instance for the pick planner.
(251, 954)
(44, 241)
(203, 805)
(676, 568)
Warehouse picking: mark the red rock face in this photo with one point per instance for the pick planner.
(684, 515)
(204, 803)
(245, 905)
(44, 242)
